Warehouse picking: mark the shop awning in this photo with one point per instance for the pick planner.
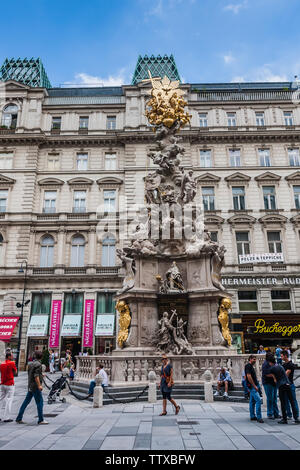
(7, 326)
(38, 326)
(105, 325)
(71, 325)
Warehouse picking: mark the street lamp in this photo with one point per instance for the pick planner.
(21, 306)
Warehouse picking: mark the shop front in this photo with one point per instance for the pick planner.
(9, 332)
(71, 330)
(105, 340)
(37, 334)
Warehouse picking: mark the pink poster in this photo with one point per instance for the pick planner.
(88, 327)
(7, 326)
(55, 324)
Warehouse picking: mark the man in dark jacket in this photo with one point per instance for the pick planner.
(270, 389)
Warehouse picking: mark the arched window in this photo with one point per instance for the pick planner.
(109, 252)
(77, 251)
(47, 251)
(9, 116)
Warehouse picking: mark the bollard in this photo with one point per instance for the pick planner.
(98, 392)
(152, 387)
(208, 387)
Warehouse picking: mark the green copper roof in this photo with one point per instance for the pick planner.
(31, 72)
(158, 66)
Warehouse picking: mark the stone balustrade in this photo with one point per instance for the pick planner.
(187, 369)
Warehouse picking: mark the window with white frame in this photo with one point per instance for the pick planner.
(208, 198)
(203, 119)
(274, 242)
(111, 122)
(269, 197)
(264, 157)
(288, 118)
(10, 116)
(281, 300)
(109, 200)
(82, 161)
(238, 194)
(247, 301)
(77, 251)
(56, 122)
(260, 119)
(6, 160)
(3, 199)
(50, 202)
(53, 161)
(79, 202)
(294, 158)
(110, 161)
(205, 159)
(108, 252)
(231, 119)
(242, 243)
(297, 196)
(83, 122)
(235, 157)
(47, 252)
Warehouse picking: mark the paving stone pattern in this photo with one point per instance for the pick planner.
(199, 426)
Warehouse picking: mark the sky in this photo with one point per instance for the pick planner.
(97, 42)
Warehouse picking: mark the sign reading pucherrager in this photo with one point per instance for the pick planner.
(261, 258)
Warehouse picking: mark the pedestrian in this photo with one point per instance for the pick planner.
(261, 350)
(51, 361)
(166, 384)
(62, 360)
(8, 372)
(224, 380)
(284, 389)
(253, 385)
(270, 389)
(72, 371)
(35, 379)
(99, 371)
(289, 368)
(277, 354)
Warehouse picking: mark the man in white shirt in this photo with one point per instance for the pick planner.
(99, 371)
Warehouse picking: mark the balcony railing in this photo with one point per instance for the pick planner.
(284, 95)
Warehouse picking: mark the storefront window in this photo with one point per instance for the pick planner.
(247, 301)
(41, 304)
(73, 303)
(281, 300)
(105, 303)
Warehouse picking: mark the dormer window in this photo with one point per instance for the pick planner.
(9, 116)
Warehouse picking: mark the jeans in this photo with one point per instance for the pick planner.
(246, 389)
(6, 397)
(255, 402)
(279, 360)
(271, 394)
(37, 394)
(285, 393)
(93, 385)
(287, 403)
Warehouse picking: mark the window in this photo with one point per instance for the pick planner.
(297, 196)
(83, 122)
(274, 242)
(202, 119)
(47, 251)
(1, 251)
(260, 119)
(50, 202)
(53, 161)
(79, 201)
(269, 197)
(108, 252)
(242, 243)
(214, 236)
(235, 157)
(208, 198)
(238, 194)
(264, 157)
(82, 161)
(231, 119)
(288, 118)
(109, 200)
(3, 199)
(294, 157)
(73, 303)
(110, 161)
(111, 122)
(6, 160)
(105, 303)
(247, 301)
(205, 158)
(281, 300)
(77, 251)
(9, 116)
(41, 304)
(56, 123)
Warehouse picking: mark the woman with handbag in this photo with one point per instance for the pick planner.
(166, 384)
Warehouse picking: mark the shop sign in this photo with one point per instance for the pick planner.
(55, 324)
(7, 326)
(260, 281)
(38, 326)
(261, 258)
(88, 325)
(105, 325)
(71, 325)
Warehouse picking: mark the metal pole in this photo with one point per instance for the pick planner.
(21, 315)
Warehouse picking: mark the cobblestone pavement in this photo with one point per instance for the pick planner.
(76, 425)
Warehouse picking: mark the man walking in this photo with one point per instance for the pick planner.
(270, 389)
(253, 385)
(8, 371)
(284, 388)
(289, 368)
(35, 378)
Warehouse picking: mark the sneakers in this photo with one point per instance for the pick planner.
(297, 421)
(8, 420)
(216, 394)
(282, 421)
(253, 419)
(225, 395)
(260, 421)
(20, 422)
(43, 422)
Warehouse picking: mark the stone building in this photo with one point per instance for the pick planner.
(69, 156)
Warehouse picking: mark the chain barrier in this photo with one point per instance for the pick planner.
(127, 401)
(78, 397)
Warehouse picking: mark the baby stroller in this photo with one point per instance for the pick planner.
(57, 387)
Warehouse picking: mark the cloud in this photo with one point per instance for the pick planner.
(261, 74)
(161, 8)
(236, 7)
(238, 79)
(84, 79)
(228, 58)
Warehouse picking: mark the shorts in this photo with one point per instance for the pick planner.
(166, 395)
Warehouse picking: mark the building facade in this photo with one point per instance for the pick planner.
(68, 156)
